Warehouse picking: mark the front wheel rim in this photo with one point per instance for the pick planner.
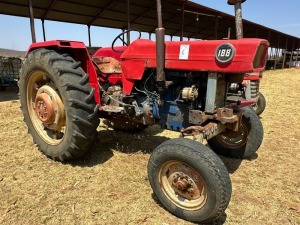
(183, 185)
(233, 139)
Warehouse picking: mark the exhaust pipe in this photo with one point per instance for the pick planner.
(238, 16)
(160, 49)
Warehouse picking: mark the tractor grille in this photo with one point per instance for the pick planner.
(254, 87)
(216, 92)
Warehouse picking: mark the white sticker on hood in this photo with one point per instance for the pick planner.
(184, 51)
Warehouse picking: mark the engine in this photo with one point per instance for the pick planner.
(186, 96)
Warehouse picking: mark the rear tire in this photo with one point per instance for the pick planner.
(190, 180)
(58, 104)
(243, 143)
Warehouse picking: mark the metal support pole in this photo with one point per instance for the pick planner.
(123, 37)
(284, 56)
(31, 21)
(128, 22)
(182, 22)
(43, 26)
(89, 33)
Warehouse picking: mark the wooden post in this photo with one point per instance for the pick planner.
(275, 61)
(284, 56)
(297, 53)
(229, 33)
(292, 54)
(277, 58)
(269, 38)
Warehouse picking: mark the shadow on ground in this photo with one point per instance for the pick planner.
(144, 142)
(109, 140)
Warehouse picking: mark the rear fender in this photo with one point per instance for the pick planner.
(79, 52)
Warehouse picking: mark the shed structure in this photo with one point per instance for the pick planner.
(181, 18)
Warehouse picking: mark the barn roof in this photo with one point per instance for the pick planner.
(199, 21)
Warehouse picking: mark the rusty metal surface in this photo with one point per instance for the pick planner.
(178, 180)
(203, 132)
(238, 20)
(49, 108)
(183, 184)
(44, 108)
(197, 117)
(108, 64)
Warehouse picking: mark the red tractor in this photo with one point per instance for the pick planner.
(180, 85)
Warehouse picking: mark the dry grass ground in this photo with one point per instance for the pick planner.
(109, 185)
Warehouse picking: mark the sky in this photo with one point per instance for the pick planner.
(280, 15)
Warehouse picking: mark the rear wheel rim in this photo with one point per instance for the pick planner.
(183, 185)
(45, 108)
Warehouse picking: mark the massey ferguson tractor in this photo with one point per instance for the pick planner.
(181, 85)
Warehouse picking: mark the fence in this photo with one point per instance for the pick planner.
(9, 70)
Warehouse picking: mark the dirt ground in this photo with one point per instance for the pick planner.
(109, 185)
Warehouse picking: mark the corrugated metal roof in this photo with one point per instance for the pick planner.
(199, 21)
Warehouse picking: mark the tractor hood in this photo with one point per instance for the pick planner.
(226, 56)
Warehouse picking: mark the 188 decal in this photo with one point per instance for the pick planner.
(225, 53)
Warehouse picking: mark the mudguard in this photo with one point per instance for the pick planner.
(79, 52)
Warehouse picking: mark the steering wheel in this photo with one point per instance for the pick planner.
(120, 36)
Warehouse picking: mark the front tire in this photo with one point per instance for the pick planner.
(243, 143)
(58, 104)
(260, 106)
(190, 180)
